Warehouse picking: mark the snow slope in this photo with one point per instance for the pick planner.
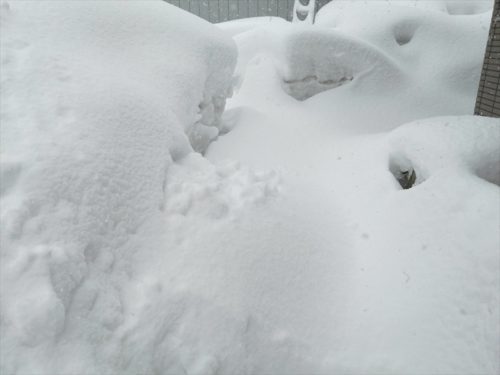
(390, 63)
(289, 247)
(377, 279)
(98, 101)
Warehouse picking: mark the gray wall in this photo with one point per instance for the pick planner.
(225, 10)
(488, 97)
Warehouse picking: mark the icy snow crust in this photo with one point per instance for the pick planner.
(291, 247)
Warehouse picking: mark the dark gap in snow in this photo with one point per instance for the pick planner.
(404, 32)
(407, 178)
(403, 171)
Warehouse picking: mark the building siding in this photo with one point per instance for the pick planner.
(488, 97)
(227, 10)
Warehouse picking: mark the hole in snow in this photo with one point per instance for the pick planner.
(403, 171)
(404, 32)
(406, 178)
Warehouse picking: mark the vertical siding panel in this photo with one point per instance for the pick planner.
(488, 96)
(290, 10)
(282, 8)
(263, 8)
(213, 10)
(195, 7)
(253, 8)
(233, 9)
(242, 8)
(223, 10)
(204, 12)
(272, 8)
(184, 4)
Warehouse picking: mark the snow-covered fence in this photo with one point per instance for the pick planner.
(226, 10)
(488, 97)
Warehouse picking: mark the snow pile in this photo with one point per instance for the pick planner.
(350, 266)
(289, 246)
(358, 274)
(388, 62)
(423, 41)
(98, 101)
(460, 146)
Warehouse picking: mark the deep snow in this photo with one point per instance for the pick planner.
(95, 109)
(289, 246)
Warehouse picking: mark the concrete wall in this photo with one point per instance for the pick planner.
(488, 97)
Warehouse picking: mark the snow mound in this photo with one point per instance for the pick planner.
(98, 101)
(420, 39)
(123, 251)
(378, 280)
(367, 56)
(440, 147)
(321, 60)
(407, 280)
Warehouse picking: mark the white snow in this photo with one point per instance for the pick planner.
(98, 101)
(288, 246)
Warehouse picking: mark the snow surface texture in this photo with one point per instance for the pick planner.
(290, 248)
(98, 101)
(377, 279)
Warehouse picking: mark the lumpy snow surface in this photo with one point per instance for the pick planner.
(98, 101)
(148, 227)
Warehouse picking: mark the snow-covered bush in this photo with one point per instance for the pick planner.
(441, 147)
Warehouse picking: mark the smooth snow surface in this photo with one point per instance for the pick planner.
(288, 247)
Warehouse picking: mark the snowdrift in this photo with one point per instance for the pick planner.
(437, 148)
(289, 246)
(355, 273)
(381, 63)
(98, 101)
